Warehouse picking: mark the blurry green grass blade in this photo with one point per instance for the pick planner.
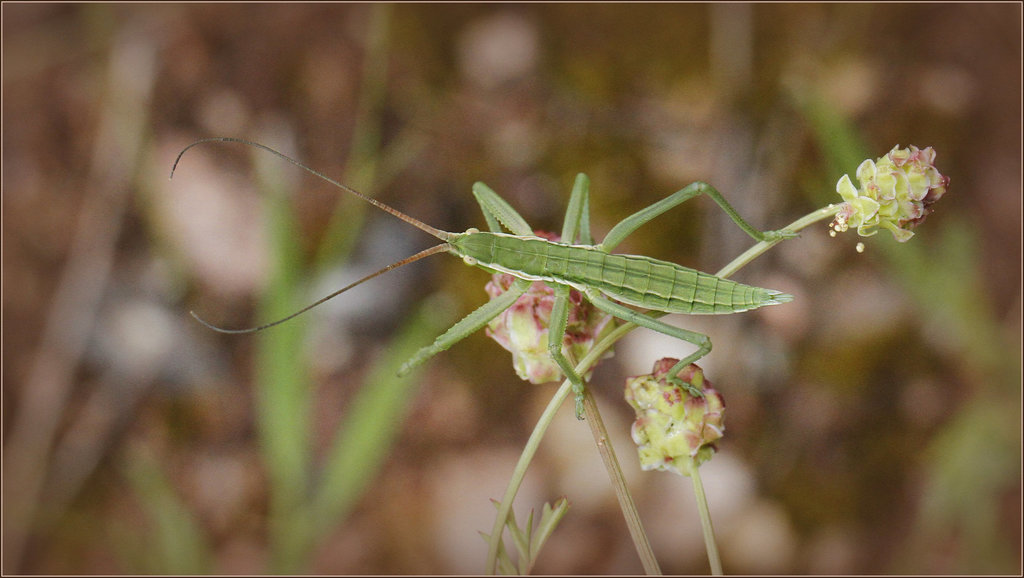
(350, 214)
(955, 296)
(840, 142)
(176, 543)
(375, 417)
(366, 135)
(361, 167)
(282, 380)
(972, 461)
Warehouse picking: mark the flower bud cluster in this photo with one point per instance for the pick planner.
(671, 424)
(896, 193)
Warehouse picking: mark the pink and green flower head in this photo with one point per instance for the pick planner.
(673, 426)
(896, 193)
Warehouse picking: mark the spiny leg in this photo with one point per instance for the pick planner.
(636, 220)
(577, 215)
(556, 337)
(703, 342)
(468, 325)
(498, 212)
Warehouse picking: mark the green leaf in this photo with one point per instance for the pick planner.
(176, 543)
(528, 542)
(374, 418)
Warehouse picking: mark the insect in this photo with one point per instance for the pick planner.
(611, 282)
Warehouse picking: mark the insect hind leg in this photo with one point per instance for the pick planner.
(703, 342)
(630, 224)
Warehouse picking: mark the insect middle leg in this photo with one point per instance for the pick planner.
(576, 227)
(556, 338)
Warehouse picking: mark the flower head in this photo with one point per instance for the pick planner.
(523, 327)
(671, 424)
(896, 193)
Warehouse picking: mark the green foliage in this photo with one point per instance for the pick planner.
(175, 542)
(528, 541)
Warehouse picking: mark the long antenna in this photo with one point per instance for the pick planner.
(425, 253)
(443, 235)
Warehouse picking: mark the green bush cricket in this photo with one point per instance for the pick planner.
(611, 282)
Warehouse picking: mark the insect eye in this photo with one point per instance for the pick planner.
(469, 260)
(472, 231)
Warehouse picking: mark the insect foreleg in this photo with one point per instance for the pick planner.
(468, 325)
(577, 215)
(498, 212)
(636, 220)
(703, 342)
(556, 337)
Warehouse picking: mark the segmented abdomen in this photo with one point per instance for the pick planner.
(630, 279)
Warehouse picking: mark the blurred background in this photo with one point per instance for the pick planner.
(874, 423)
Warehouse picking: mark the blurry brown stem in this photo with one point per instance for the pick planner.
(72, 313)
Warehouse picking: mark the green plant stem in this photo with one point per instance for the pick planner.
(705, 518)
(756, 251)
(529, 450)
(632, 515)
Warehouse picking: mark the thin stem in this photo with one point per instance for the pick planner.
(705, 518)
(756, 251)
(611, 463)
(519, 473)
